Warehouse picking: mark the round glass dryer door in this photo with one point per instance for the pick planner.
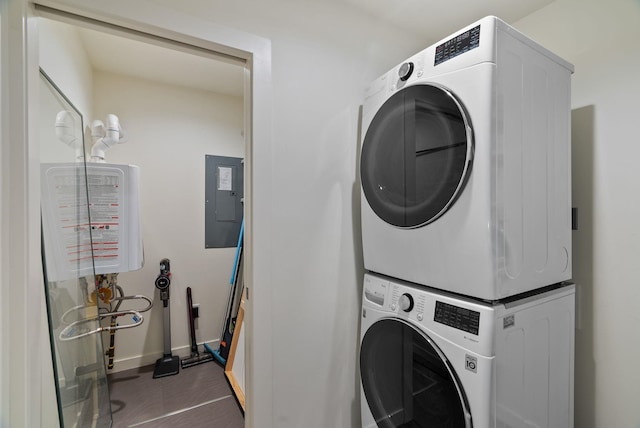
(407, 381)
(416, 156)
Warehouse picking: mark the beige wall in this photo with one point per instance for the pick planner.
(601, 40)
(169, 130)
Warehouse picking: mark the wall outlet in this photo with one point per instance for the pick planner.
(195, 310)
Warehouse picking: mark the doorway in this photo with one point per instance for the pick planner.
(258, 93)
(175, 107)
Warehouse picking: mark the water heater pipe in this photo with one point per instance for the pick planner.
(65, 131)
(105, 137)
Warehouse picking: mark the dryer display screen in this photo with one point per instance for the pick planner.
(457, 45)
(457, 317)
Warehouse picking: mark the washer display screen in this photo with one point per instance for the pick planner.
(416, 156)
(457, 317)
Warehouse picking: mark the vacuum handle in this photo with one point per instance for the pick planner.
(163, 281)
(192, 326)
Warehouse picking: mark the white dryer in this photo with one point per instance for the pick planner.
(430, 359)
(465, 165)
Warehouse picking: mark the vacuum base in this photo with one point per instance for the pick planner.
(196, 359)
(166, 366)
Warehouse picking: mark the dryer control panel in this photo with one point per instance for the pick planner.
(457, 45)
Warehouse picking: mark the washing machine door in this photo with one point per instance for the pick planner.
(416, 155)
(407, 380)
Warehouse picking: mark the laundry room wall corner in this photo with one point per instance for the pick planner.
(600, 39)
(583, 161)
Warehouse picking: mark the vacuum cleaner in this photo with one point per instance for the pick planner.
(169, 364)
(196, 357)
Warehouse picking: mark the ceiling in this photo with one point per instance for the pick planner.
(119, 55)
(436, 19)
(429, 19)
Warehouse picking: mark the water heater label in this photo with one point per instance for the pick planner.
(90, 219)
(457, 45)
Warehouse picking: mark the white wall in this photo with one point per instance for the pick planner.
(169, 130)
(601, 40)
(64, 59)
(323, 56)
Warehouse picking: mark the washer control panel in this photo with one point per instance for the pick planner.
(454, 316)
(460, 320)
(421, 304)
(406, 301)
(375, 290)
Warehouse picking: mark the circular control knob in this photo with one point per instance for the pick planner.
(406, 302)
(405, 71)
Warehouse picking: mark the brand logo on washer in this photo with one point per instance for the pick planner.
(471, 363)
(508, 321)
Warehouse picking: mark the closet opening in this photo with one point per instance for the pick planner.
(178, 106)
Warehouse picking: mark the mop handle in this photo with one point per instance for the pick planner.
(192, 326)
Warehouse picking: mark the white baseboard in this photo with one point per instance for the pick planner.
(149, 359)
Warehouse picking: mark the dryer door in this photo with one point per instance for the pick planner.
(416, 156)
(407, 380)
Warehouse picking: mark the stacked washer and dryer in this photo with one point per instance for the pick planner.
(467, 312)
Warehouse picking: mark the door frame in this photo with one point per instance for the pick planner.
(26, 383)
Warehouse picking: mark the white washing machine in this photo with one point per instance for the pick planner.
(465, 165)
(430, 359)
